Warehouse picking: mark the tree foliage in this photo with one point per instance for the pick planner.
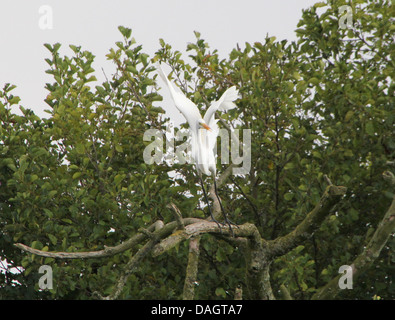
(320, 111)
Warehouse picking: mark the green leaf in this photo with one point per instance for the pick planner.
(320, 4)
(126, 32)
(11, 166)
(132, 69)
(76, 49)
(220, 292)
(302, 187)
(53, 239)
(369, 128)
(14, 100)
(288, 196)
(56, 47)
(77, 175)
(317, 155)
(36, 245)
(162, 42)
(118, 178)
(289, 165)
(48, 46)
(144, 59)
(146, 218)
(52, 193)
(314, 81)
(348, 115)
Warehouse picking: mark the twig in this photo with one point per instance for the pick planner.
(328, 180)
(177, 215)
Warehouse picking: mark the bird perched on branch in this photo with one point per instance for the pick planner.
(204, 132)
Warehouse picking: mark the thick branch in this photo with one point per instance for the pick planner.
(192, 269)
(106, 252)
(161, 231)
(129, 269)
(203, 226)
(310, 224)
(364, 261)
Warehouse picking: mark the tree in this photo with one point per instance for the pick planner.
(76, 193)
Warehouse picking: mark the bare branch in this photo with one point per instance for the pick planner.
(203, 226)
(371, 252)
(130, 268)
(106, 252)
(192, 269)
(310, 224)
(177, 215)
(328, 180)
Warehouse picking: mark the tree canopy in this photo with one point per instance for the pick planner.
(77, 194)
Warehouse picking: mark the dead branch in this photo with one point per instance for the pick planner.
(364, 261)
(106, 252)
(310, 224)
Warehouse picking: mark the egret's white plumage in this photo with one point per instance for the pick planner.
(203, 140)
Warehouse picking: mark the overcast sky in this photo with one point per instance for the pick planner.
(93, 25)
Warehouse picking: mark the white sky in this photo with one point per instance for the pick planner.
(93, 25)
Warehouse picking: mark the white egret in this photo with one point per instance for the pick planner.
(204, 132)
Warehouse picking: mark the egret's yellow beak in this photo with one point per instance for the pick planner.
(205, 126)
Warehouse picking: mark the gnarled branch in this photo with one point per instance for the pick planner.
(371, 252)
(310, 223)
(247, 230)
(106, 252)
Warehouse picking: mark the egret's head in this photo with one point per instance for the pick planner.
(204, 125)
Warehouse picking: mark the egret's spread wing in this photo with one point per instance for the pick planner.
(229, 96)
(224, 103)
(188, 109)
(210, 137)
